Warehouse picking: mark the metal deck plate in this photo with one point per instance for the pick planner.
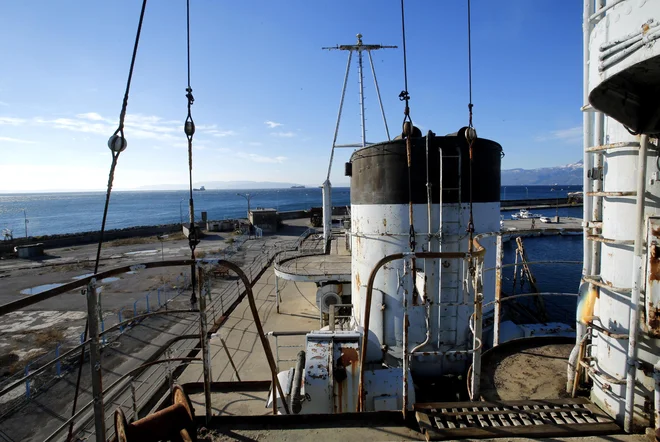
(540, 418)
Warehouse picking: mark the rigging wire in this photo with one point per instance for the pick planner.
(117, 144)
(189, 129)
(407, 129)
(470, 132)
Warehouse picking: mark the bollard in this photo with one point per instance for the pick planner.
(27, 381)
(103, 339)
(121, 327)
(147, 302)
(82, 337)
(58, 364)
(159, 304)
(135, 308)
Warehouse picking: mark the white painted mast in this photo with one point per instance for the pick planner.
(359, 48)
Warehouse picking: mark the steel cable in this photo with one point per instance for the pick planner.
(117, 144)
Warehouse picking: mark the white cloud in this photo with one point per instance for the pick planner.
(283, 134)
(3, 103)
(260, 158)
(91, 116)
(272, 124)
(12, 121)
(16, 140)
(255, 143)
(570, 135)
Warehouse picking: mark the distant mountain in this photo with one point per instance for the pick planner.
(567, 174)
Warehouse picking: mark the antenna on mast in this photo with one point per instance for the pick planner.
(358, 48)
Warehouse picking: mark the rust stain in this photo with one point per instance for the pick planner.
(340, 397)
(654, 261)
(357, 280)
(348, 356)
(654, 320)
(384, 222)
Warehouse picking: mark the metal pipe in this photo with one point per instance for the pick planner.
(602, 9)
(497, 313)
(95, 360)
(656, 398)
(380, 102)
(571, 368)
(580, 329)
(406, 324)
(296, 397)
(637, 271)
(361, 83)
(428, 192)
(341, 106)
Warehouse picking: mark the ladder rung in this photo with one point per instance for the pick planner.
(594, 279)
(620, 145)
(612, 194)
(601, 238)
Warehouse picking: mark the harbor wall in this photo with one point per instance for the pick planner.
(73, 239)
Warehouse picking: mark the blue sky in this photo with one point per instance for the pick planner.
(266, 95)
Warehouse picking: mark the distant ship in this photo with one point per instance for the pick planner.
(297, 187)
(201, 188)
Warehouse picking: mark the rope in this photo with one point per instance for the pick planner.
(117, 144)
(189, 129)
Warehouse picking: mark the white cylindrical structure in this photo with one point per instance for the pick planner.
(380, 226)
(623, 78)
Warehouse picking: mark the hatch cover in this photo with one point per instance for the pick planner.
(531, 418)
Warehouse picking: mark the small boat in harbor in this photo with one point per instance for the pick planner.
(525, 214)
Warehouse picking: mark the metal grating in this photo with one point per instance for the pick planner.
(543, 418)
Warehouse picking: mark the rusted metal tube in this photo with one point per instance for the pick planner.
(296, 398)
